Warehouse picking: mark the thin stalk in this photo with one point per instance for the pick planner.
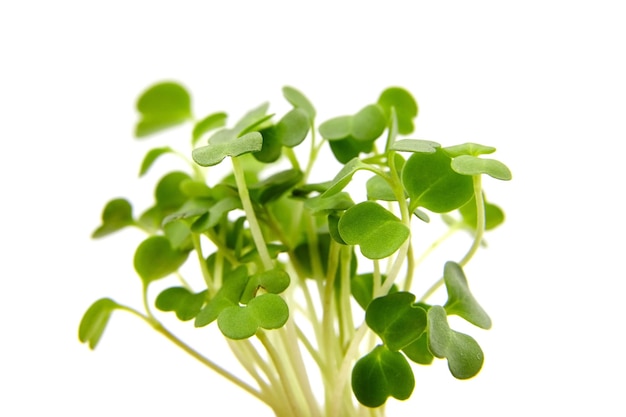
(156, 325)
(255, 229)
(206, 274)
(478, 235)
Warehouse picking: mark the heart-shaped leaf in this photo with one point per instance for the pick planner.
(430, 182)
(186, 304)
(95, 320)
(273, 281)
(382, 374)
(293, 128)
(211, 122)
(214, 153)
(299, 101)
(404, 105)
(396, 319)
(155, 258)
(473, 165)
(460, 300)
(268, 311)
(473, 149)
(464, 355)
(377, 231)
(161, 106)
(117, 214)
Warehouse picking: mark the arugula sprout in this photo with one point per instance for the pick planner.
(303, 275)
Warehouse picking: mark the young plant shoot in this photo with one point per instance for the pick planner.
(300, 276)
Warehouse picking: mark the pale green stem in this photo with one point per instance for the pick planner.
(255, 229)
(294, 400)
(156, 325)
(206, 274)
(478, 235)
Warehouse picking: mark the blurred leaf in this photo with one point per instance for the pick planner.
(117, 214)
(415, 145)
(336, 128)
(95, 320)
(161, 106)
(299, 101)
(494, 215)
(211, 122)
(293, 128)
(155, 258)
(168, 193)
(275, 186)
(186, 304)
(152, 156)
(405, 107)
(368, 124)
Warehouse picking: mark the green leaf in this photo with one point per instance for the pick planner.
(275, 186)
(215, 214)
(161, 106)
(368, 124)
(464, 355)
(362, 288)
(179, 234)
(272, 147)
(250, 120)
(431, 183)
(460, 300)
(293, 128)
(405, 107)
(299, 100)
(152, 156)
(336, 128)
(415, 145)
(494, 215)
(214, 153)
(211, 122)
(473, 149)
(237, 322)
(326, 205)
(273, 281)
(117, 214)
(379, 189)
(418, 351)
(95, 320)
(473, 165)
(344, 176)
(186, 304)
(268, 311)
(396, 320)
(234, 283)
(168, 194)
(376, 230)
(155, 258)
(346, 149)
(382, 374)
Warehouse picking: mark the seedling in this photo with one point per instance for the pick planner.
(297, 275)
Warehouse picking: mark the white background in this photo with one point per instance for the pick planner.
(543, 81)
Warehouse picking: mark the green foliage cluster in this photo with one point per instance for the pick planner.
(296, 272)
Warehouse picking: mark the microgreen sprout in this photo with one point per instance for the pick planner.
(319, 280)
